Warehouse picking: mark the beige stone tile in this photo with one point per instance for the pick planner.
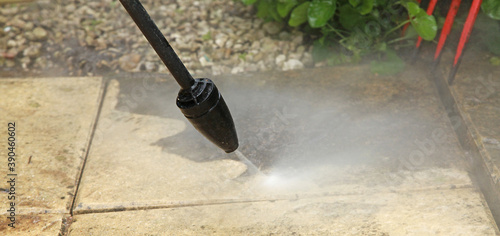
(125, 172)
(458, 211)
(33, 224)
(53, 119)
(128, 171)
(125, 169)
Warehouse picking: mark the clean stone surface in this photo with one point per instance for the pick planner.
(396, 151)
(124, 167)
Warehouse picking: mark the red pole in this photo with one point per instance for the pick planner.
(450, 18)
(469, 24)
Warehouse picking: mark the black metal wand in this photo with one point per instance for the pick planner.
(158, 42)
(199, 99)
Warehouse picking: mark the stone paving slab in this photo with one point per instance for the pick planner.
(53, 119)
(472, 103)
(33, 224)
(478, 95)
(161, 187)
(458, 211)
(395, 137)
(125, 167)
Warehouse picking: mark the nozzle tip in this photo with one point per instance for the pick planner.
(207, 111)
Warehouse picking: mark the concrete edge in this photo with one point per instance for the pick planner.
(482, 169)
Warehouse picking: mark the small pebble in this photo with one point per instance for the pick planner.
(292, 64)
(40, 33)
(100, 34)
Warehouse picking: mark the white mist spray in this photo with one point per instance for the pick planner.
(252, 169)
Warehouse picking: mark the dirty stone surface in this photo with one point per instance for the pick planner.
(339, 149)
(33, 224)
(53, 118)
(477, 92)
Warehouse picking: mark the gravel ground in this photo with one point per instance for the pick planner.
(98, 37)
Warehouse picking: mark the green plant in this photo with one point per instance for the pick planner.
(489, 31)
(491, 8)
(348, 30)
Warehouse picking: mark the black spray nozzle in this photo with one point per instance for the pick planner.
(199, 99)
(205, 108)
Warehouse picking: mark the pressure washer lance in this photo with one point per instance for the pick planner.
(199, 100)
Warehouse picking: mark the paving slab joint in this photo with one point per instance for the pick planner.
(102, 94)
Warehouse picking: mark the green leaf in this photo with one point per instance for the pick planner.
(392, 65)
(490, 32)
(248, 2)
(424, 24)
(413, 9)
(411, 33)
(380, 2)
(267, 10)
(273, 12)
(286, 6)
(366, 7)
(320, 11)
(349, 17)
(491, 8)
(262, 9)
(299, 15)
(354, 3)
